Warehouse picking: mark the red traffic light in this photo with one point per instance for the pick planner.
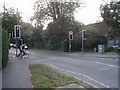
(17, 28)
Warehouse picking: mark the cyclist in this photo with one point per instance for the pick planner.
(23, 49)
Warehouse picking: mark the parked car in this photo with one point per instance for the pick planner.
(115, 46)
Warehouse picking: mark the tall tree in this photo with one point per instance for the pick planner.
(111, 15)
(10, 17)
(53, 10)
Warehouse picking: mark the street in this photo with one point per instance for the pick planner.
(99, 70)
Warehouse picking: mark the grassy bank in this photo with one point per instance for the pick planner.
(46, 77)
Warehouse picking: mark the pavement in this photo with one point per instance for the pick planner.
(81, 66)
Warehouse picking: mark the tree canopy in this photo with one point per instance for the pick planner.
(10, 18)
(111, 15)
(53, 10)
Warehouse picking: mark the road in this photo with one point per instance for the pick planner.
(99, 70)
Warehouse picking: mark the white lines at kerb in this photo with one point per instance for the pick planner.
(80, 75)
(107, 64)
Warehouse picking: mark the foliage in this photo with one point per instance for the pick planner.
(0, 47)
(62, 26)
(53, 43)
(5, 43)
(53, 10)
(110, 13)
(65, 45)
(92, 40)
(10, 18)
(37, 37)
(27, 31)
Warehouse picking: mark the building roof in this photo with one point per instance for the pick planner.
(102, 27)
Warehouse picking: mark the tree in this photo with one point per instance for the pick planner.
(53, 10)
(111, 15)
(27, 31)
(91, 41)
(10, 18)
(37, 37)
(62, 26)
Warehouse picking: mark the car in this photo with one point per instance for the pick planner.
(115, 46)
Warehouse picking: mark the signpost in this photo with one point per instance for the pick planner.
(70, 38)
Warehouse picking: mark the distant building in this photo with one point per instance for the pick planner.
(104, 30)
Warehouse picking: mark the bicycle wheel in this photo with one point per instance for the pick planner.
(26, 56)
(19, 56)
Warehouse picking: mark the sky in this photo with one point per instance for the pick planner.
(88, 14)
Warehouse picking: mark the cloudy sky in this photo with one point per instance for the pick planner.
(90, 13)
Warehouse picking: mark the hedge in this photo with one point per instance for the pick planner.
(0, 48)
(5, 48)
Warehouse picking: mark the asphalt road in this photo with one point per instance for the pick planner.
(97, 69)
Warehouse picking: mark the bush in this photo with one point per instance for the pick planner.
(53, 43)
(0, 48)
(65, 45)
(5, 44)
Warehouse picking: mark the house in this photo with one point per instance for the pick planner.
(104, 30)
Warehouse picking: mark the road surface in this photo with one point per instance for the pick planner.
(97, 69)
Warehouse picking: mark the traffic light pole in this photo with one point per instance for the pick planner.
(16, 47)
(82, 45)
(69, 45)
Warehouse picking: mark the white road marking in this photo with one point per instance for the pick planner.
(116, 59)
(80, 75)
(107, 64)
(44, 59)
(87, 82)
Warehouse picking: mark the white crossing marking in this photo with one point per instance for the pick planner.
(81, 75)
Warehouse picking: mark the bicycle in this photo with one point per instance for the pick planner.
(23, 55)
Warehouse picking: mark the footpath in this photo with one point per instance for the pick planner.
(16, 74)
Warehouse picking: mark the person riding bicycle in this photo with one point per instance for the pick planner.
(23, 49)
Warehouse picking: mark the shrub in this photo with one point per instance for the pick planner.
(53, 43)
(5, 42)
(65, 45)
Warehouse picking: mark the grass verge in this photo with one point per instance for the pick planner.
(46, 77)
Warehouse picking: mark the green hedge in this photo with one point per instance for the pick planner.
(0, 48)
(5, 43)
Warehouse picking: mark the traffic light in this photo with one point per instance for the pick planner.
(70, 35)
(17, 31)
(84, 34)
